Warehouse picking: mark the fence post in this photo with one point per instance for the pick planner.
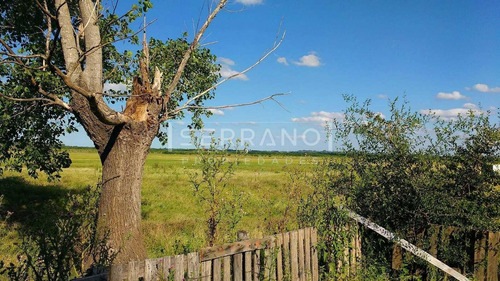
(493, 256)
(480, 256)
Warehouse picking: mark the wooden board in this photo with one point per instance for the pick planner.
(279, 257)
(227, 268)
(193, 267)
(493, 256)
(307, 253)
(407, 245)
(179, 268)
(134, 271)
(234, 248)
(286, 254)
(206, 270)
(480, 256)
(314, 254)
(294, 251)
(216, 271)
(238, 267)
(151, 269)
(256, 265)
(302, 275)
(248, 266)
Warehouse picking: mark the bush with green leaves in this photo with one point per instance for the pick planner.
(65, 246)
(406, 172)
(214, 166)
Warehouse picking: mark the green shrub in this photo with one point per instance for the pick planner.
(64, 247)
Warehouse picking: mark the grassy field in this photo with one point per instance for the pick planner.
(173, 220)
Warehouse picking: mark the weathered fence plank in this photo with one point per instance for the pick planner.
(267, 264)
(193, 268)
(238, 267)
(206, 270)
(279, 257)
(287, 256)
(134, 270)
(294, 251)
(480, 256)
(151, 269)
(235, 248)
(216, 271)
(256, 265)
(248, 266)
(315, 268)
(307, 253)
(301, 255)
(179, 268)
(227, 268)
(493, 256)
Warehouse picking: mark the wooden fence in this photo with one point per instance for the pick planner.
(481, 247)
(286, 256)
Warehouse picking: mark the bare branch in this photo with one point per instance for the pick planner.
(45, 10)
(21, 56)
(193, 46)
(271, 97)
(59, 103)
(276, 45)
(25, 100)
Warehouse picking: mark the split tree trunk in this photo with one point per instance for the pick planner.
(123, 150)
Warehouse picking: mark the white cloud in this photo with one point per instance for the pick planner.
(485, 88)
(470, 106)
(216, 111)
(382, 96)
(249, 2)
(310, 60)
(451, 114)
(455, 95)
(116, 87)
(226, 70)
(319, 117)
(180, 123)
(225, 61)
(282, 60)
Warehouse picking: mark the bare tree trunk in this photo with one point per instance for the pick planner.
(120, 205)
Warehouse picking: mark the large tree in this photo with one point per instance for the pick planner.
(56, 55)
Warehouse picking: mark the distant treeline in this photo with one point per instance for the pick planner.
(251, 152)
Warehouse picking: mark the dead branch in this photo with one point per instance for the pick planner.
(193, 46)
(186, 104)
(271, 97)
(25, 100)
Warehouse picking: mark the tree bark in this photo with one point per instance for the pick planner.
(120, 204)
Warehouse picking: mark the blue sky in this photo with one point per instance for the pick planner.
(443, 55)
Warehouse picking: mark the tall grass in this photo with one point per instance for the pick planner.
(172, 220)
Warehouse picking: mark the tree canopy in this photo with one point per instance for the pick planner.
(35, 98)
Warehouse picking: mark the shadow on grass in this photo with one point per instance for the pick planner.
(31, 205)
